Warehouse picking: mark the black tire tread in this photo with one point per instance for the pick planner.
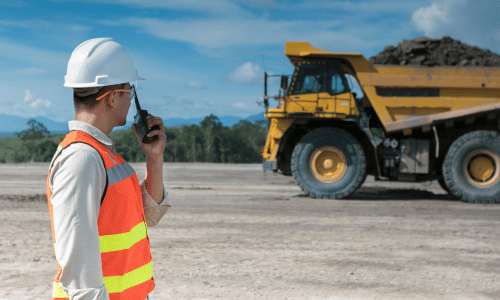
(453, 187)
(319, 133)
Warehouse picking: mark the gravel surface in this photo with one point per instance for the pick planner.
(235, 232)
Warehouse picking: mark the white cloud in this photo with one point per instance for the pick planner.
(324, 23)
(195, 85)
(248, 73)
(32, 55)
(206, 6)
(12, 3)
(40, 101)
(472, 22)
(33, 71)
(78, 28)
(10, 23)
(28, 96)
(329, 34)
(38, 24)
(234, 7)
(240, 105)
(110, 23)
(431, 18)
(366, 8)
(264, 3)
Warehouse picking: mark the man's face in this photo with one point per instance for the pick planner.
(123, 105)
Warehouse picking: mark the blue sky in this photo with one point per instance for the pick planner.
(204, 57)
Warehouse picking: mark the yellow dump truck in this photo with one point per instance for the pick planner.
(341, 118)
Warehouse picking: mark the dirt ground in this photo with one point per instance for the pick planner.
(234, 232)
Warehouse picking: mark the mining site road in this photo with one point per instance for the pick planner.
(235, 232)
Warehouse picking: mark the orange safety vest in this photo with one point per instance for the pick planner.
(127, 265)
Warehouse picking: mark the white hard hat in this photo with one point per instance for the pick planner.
(100, 62)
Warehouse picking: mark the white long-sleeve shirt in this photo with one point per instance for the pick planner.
(77, 181)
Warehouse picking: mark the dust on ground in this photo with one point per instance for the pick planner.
(235, 232)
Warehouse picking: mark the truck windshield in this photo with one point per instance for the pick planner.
(314, 78)
(308, 80)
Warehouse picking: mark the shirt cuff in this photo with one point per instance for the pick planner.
(152, 210)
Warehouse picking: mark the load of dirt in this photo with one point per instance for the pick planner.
(424, 51)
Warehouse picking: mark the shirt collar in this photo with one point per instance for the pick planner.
(93, 132)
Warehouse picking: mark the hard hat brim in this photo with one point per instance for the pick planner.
(102, 83)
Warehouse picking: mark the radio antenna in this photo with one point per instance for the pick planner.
(137, 105)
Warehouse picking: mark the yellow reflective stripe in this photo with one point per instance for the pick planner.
(58, 150)
(147, 231)
(117, 284)
(58, 292)
(116, 242)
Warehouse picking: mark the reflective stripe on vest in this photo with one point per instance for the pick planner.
(58, 292)
(116, 242)
(119, 172)
(127, 265)
(115, 284)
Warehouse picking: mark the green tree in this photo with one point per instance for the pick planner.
(128, 147)
(175, 148)
(191, 139)
(243, 141)
(209, 141)
(211, 127)
(45, 151)
(33, 137)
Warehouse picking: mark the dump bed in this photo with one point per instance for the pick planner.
(407, 97)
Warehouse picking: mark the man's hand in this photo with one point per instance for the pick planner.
(154, 158)
(157, 147)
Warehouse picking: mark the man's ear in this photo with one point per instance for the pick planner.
(111, 100)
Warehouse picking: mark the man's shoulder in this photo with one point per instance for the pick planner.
(78, 155)
(81, 149)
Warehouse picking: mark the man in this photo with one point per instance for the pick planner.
(98, 209)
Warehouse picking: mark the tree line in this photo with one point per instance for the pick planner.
(209, 141)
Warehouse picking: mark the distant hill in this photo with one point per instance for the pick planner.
(12, 124)
(256, 117)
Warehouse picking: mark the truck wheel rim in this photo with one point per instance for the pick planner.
(482, 168)
(328, 164)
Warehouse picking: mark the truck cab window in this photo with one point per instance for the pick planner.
(354, 86)
(337, 85)
(319, 77)
(312, 84)
(309, 79)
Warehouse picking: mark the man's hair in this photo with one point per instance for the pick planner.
(90, 100)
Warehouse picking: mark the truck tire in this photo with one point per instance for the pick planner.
(442, 184)
(471, 168)
(329, 163)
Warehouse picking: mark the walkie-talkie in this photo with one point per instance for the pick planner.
(141, 123)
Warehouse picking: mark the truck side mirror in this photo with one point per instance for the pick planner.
(284, 82)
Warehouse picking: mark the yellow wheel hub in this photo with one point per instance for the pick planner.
(482, 168)
(328, 164)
